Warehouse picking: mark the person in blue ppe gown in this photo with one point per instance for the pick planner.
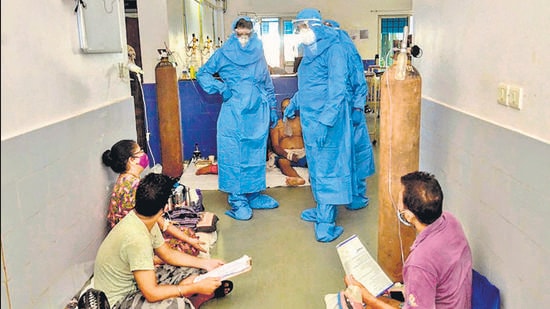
(363, 157)
(326, 121)
(249, 108)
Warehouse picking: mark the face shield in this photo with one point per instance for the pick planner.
(331, 23)
(299, 26)
(243, 30)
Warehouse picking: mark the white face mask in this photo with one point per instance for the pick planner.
(307, 36)
(243, 39)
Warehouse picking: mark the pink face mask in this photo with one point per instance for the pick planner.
(144, 160)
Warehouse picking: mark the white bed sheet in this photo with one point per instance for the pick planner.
(274, 178)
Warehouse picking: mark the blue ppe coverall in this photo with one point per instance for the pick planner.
(249, 105)
(326, 128)
(363, 157)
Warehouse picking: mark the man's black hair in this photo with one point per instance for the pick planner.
(152, 193)
(423, 196)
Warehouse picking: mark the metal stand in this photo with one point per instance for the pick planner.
(372, 106)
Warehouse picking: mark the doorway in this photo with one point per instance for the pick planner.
(136, 89)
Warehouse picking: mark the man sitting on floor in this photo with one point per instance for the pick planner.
(288, 145)
(124, 267)
(438, 270)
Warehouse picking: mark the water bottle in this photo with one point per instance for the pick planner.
(196, 153)
(178, 196)
(185, 74)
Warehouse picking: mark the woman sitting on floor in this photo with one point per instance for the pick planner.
(128, 160)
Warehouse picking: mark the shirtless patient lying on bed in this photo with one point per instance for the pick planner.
(288, 144)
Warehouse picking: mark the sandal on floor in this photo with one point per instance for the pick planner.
(224, 289)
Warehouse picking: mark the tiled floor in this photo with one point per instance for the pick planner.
(290, 268)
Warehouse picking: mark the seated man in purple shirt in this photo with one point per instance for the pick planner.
(438, 270)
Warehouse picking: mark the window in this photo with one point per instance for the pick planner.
(279, 41)
(271, 38)
(391, 33)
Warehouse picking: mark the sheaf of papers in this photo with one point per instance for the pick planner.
(357, 261)
(228, 270)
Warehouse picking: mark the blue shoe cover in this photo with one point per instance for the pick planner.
(327, 232)
(309, 215)
(262, 201)
(243, 213)
(240, 210)
(358, 202)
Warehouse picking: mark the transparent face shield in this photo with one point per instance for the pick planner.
(330, 24)
(243, 32)
(300, 26)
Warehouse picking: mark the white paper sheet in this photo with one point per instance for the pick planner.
(358, 262)
(229, 270)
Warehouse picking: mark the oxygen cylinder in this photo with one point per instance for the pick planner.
(168, 103)
(400, 89)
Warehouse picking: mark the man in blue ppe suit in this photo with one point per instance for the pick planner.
(363, 158)
(249, 107)
(326, 122)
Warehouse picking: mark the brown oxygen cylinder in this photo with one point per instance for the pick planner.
(400, 89)
(168, 104)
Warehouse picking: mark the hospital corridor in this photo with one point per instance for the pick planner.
(115, 106)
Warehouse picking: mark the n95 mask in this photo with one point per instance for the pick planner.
(243, 39)
(307, 36)
(144, 160)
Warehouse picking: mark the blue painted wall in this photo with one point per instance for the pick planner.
(199, 114)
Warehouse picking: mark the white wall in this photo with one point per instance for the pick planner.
(154, 34)
(493, 161)
(467, 54)
(60, 110)
(45, 77)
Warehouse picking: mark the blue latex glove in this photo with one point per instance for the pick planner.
(357, 117)
(321, 131)
(274, 118)
(227, 94)
(290, 110)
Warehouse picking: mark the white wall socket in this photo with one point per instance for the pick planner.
(510, 95)
(502, 94)
(515, 97)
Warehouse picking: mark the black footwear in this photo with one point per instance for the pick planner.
(224, 289)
